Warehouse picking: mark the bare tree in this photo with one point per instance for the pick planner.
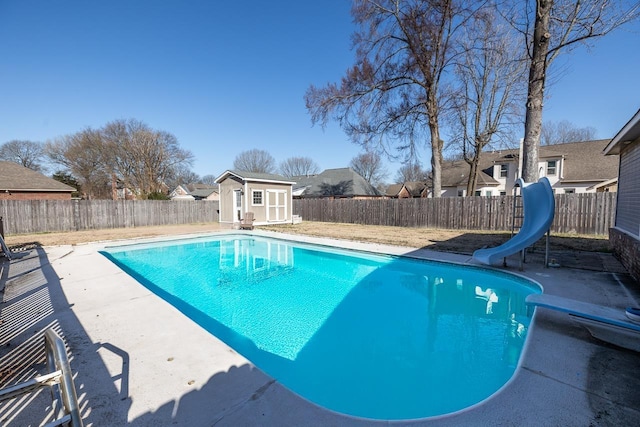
(142, 158)
(29, 154)
(491, 74)
(565, 131)
(82, 154)
(411, 172)
(394, 95)
(550, 27)
(208, 179)
(181, 175)
(369, 165)
(298, 166)
(255, 160)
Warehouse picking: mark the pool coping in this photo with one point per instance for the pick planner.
(103, 312)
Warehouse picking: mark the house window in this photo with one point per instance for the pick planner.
(257, 198)
(503, 193)
(478, 193)
(551, 167)
(460, 193)
(504, 171)
(488, 193)
(569, 190)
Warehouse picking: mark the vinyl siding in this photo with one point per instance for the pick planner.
(627, 217)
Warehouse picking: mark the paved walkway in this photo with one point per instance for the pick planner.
(138, 361)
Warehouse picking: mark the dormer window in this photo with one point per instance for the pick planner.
(551, 167)
(504, 171)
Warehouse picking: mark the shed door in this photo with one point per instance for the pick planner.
(276, 205)
(237, 205)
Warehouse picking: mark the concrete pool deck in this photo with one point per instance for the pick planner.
(138, 361)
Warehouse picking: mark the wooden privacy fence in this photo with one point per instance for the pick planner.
(583, 213)
(40, 216)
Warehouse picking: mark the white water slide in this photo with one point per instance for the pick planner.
(539, 208)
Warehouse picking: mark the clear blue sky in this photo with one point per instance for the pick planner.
(226, 77)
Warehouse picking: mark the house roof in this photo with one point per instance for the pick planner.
(393, 190)
(415, 188)
(203, 192)
(15, 177)
(584, 161)
(456, 173)
(629, 133)
(342, 182)
(254, 176)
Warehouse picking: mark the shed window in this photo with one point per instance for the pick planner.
(551, 167)
(257, 198)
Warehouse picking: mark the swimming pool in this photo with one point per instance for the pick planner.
(368, 335)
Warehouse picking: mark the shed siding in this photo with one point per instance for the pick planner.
(227, 187)
(627, 217)
(260, 211)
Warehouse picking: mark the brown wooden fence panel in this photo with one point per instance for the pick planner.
(41, 216)
(584, 213)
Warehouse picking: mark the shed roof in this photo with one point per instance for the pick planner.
(254, 176)
(15, 177)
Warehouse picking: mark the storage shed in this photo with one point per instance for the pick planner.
(268, 196)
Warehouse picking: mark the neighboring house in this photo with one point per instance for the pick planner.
(20, 183)
(413, 190)
(393, 190)
(195, 192)
(268, 196)
(334, 183)
(204, 192)
(577, 167)
(625, 235)
(179, 191)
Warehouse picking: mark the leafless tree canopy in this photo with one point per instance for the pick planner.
(29, 154)
(411, 172)
(298, 166)
(369, 165)
(565, 131)
(394, 95)
(492, 86)
(139, 158)
(208, 179)
(550, 27)
(143, 158)
(255, 160)
(82, 154)
(182, 175)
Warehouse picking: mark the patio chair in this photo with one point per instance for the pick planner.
(246, 223)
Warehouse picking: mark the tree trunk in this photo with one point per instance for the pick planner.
(436, 158)
(535, 96)
(473, 176)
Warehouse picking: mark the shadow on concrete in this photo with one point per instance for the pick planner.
(467, 243)
(33, 302)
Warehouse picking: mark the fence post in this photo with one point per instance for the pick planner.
(76, 214)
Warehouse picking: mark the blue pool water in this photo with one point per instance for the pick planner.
(367, 335)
